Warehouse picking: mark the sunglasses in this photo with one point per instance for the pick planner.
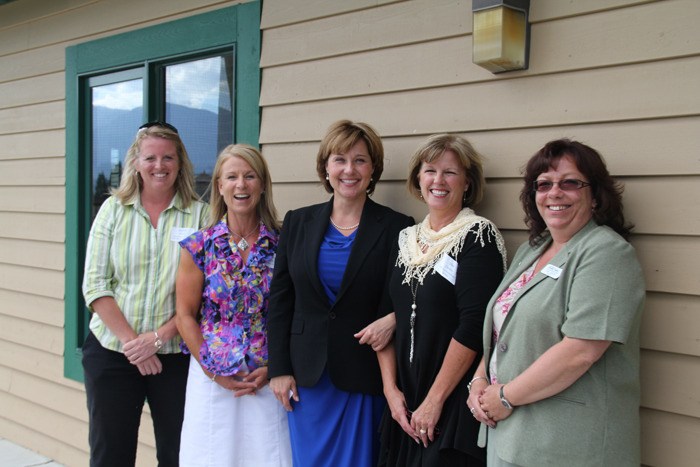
(145, 126)
(568, 184)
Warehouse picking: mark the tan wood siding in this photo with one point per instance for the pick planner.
(661, 430)
(22, 145)
(41, 254)
(672, 83)
(443, 62)
(292, 11)
(39, 89)
(24, 225)
(44, 310)
(660, 329)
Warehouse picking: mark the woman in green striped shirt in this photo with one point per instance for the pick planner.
(132, 353)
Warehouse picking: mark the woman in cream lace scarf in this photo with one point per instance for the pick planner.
(446, 269)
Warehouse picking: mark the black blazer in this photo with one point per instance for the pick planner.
(305, 333)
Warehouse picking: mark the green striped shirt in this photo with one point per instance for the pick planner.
(136, 264)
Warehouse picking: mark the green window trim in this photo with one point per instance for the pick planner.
(237, 26)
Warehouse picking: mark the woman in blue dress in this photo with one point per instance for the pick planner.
(329, 285)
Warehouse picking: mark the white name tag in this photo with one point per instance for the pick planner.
(180, 233)
(447, 268)
(551, 271)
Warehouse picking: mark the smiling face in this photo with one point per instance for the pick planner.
(240, 187)
(349, 174)
(564, 212)
(442, 184)
(158, 164)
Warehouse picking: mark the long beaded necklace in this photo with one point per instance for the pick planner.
(414, 307)
(351, 227)
(243, 243)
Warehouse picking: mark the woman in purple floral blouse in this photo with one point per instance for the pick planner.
(231, 416)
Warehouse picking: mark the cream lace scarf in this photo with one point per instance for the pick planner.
(448, 240)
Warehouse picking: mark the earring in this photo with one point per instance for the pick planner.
(464, 198)
(327, 178)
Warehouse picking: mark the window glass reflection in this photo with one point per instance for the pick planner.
(199, 99)
(117, 111)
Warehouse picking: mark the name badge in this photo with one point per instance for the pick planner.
(551, 271)
(447, 268)
(177, 234)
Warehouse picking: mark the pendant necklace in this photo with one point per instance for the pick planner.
(351, 227)
(414, 307)
(243, 244)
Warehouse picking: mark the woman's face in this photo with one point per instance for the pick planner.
(443, 183)
(240, 187)
(349, 174)
(158, 164)
(564, 212)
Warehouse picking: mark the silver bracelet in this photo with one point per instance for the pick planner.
(469, 386)
(158, 342)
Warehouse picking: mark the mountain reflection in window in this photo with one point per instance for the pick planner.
(198, 101)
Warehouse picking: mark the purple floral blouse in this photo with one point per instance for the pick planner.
(233, 314)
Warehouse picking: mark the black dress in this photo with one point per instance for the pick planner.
(444, 311)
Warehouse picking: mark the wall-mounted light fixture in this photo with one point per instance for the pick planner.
(501, 34)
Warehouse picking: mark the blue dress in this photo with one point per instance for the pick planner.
(330, 427)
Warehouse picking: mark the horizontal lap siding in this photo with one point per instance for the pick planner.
(41, 409)
(617, 75)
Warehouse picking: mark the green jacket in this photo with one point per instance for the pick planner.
(599, 295)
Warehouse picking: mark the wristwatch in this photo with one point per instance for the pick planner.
(504, 401)
(158, 342)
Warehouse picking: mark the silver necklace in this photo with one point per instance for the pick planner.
(414, 307)
(351, 227)
(243, 243)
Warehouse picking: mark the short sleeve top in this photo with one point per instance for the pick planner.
(233, 313)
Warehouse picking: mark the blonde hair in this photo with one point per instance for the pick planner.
(433, 148)
(266, 207)
(340, 137)
(131, 182)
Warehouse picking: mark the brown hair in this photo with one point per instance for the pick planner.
(606, 191)
(340, 137)
(433, 148)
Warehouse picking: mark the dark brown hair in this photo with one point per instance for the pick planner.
(606, 191)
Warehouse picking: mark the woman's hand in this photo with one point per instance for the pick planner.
(490, 403)
(477, 390)
(378, 333)
(397, 405)
(142, 347)
(150, 366)
(257, 377)
(282, 386)
(236, 384)
(424, 420)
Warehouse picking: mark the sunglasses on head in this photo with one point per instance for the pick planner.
(568, 184)
(160, 124)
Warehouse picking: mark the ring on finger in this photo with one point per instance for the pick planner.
(422, 431)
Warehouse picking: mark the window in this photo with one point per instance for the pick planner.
(200, 74)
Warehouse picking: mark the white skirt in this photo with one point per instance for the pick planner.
(226, 431)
